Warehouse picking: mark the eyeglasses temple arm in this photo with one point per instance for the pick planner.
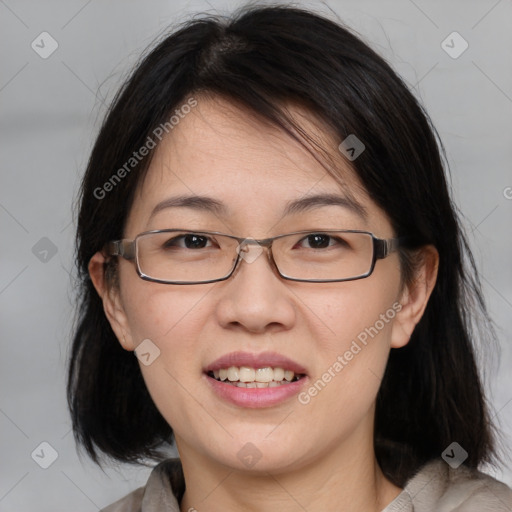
(124, 248)
(384, 248)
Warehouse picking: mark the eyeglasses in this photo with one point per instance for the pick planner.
(179, 256)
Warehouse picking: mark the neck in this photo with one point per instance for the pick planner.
(345, 478)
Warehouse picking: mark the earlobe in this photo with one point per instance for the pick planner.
(110, 297)
(415, 297)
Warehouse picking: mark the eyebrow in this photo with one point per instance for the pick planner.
(195, 202)
(209, 204)
(310, 202)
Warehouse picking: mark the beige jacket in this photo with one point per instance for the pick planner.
(435, 488)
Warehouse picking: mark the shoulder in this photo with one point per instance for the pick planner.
(130, 503)
(439, 487)
(165, 486)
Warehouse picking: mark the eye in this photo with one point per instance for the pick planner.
(187, 241)
(322, 241)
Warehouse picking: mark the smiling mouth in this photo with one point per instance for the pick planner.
(247, 377)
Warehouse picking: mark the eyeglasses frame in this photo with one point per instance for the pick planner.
(127, 249)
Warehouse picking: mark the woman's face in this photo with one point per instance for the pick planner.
(338, 333)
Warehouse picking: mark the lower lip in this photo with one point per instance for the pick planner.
(255, 397)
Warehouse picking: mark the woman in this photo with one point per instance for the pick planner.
(273, 279)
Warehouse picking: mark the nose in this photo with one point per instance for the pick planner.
(255, 298)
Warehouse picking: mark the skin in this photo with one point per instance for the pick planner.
(318, 456)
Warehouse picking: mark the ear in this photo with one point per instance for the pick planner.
(415, 297)
(112, 305)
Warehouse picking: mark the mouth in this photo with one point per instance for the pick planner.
(248, 377)
(252, 380)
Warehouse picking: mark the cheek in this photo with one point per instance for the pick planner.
(352, 356)
(361, 310)
(172, 319)
(160, 312)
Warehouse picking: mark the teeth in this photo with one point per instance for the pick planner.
(278, 374)
(288, 375)
(264, 375)
(272, 384)
(232, 373)
(246, 374)
(246, 377)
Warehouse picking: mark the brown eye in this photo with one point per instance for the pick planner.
(318, 241)
(322, 241)
(187, 241)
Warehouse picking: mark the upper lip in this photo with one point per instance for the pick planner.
(261, 360)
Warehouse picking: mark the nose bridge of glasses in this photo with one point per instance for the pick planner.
(250, 248)
(264, 242)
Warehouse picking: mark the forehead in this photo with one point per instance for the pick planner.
(253, 167)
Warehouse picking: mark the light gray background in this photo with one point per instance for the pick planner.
(50, 112)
